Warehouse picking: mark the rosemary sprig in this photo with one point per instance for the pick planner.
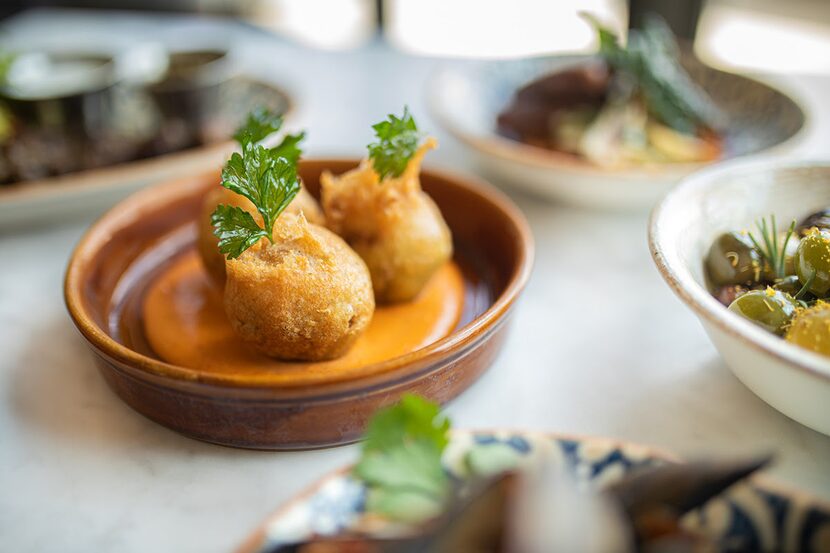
(768, 246)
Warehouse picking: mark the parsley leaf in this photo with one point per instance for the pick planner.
(651, 61)
(259, 124)
(266, 176)
(236, 229)
(289, 148)
(397, 140)
(401, 460)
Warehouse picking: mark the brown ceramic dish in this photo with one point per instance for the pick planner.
(121, 254)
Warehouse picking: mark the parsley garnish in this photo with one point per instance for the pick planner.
(397, 140)
(266, 176)
(650, 61)
(401, 460)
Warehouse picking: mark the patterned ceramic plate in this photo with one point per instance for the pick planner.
(753, 516)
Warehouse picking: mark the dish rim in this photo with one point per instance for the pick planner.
(400, 369)
(524, 154)
(697, 297)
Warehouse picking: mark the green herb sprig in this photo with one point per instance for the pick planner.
(397, 140)
(768, 245)
(401, 460)
(651, 60)
(265, 176)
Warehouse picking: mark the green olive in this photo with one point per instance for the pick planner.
(812, 261)
(810, 328)
(769, 309)
(732, 259)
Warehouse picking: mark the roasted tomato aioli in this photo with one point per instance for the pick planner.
(186, 325)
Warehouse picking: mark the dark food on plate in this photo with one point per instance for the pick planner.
(381, 211)
(636, 105)
(64, 112)
(502, 506)
(778, 280)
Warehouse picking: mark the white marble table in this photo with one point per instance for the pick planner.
(601, 349)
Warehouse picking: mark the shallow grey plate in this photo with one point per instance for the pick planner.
(466, 98)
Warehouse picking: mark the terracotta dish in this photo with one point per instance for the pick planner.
(124, 253)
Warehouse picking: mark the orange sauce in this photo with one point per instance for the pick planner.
(185, 324)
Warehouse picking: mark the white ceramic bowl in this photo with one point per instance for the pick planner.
(466, 98)
(732, 196)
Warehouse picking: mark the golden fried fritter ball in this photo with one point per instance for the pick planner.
(208, 243)
(392, 224)
(306, 297)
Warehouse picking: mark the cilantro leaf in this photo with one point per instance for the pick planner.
(401, 460)
(236, 229)
(651, 60)
(259, 124)
(397, 140)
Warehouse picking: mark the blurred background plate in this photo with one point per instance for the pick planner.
(89, 191)
(466, 100)
(752, 516)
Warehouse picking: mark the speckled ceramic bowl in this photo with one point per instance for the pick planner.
(756, 515)
(791, 379)
(466, 98)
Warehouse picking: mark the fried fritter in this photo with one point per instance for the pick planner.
(306, 297)
(392, 224)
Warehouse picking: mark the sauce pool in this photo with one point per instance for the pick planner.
(185, 324)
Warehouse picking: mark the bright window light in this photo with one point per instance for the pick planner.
(742, 38)
(496, 28)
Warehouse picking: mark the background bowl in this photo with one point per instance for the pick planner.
(751, 516)
(123, 252)
(732, 196)
(466, 99)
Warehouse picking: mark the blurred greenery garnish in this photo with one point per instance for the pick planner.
(397, 140)
(401, 460)
(649, 66)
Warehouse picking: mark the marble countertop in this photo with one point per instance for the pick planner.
(597, 348)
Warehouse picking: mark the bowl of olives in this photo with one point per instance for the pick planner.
(746, 245)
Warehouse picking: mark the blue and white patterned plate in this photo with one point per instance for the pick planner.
(754, 516)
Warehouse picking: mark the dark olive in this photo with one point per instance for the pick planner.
(732, 259)
(812, 261)
(769, 309)
(810, 328)
(819, 219)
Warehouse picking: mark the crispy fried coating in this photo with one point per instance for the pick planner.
(208, 243)
(392, 224)
(306, 297)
